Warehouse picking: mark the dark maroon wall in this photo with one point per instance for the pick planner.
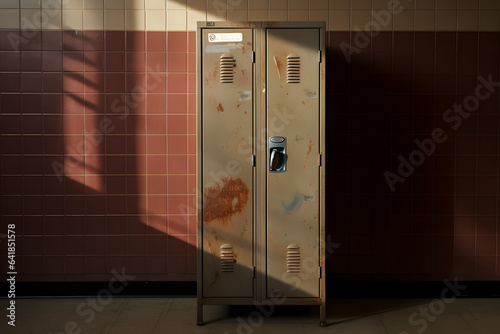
(442, 221)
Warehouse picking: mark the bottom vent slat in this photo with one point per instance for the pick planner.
(293, 259)
(227, 258)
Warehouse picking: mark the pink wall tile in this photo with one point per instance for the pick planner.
(31, 82)
(156, 82)
(156, 265)
(33, 265)
(177, 41)
(96, 264)
(177, 144)
(93, 40)
(157, 222)
(177, 184)
(177, 204)
(156, 104)
(157, 204)
(31, 61)
(177, 83)
(115, 184)
(92, 60)
(116, 245)
(156, 164)
(157, 245)
(116, 224)
(136, 264)
(177, 62)
(115, 40)
(55, 245)
(156, 41)
(157, 184)
(52, 40)
(136, 245)
(176, 104)
(177, 264)
(116, 205)
(115, 62)
(136, 61)
(157, 61)
(10, 61)
(156, 144)
(135, 41)
(115, 82)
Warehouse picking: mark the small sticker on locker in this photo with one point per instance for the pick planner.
(309, 198)
(246, 96)
(311, 95)
(225, 37)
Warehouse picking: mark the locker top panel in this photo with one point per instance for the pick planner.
(269, 24)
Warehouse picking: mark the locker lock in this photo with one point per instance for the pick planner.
(277, 154)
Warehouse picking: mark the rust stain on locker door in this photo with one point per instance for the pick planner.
(224, 200)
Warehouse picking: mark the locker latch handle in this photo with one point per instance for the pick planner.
(277, 154)
(275, 161)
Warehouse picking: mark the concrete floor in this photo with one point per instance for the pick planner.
(178, 315)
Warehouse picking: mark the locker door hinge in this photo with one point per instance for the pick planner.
(253, 272)
(319, 56)
(254, 160)
(320, 273)
(253, 56)
(320, 159)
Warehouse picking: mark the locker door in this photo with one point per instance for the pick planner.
(227, 124)
(293, 75)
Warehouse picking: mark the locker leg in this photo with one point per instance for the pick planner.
(199, 315)
(322, 314)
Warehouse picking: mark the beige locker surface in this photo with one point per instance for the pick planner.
(227, 94)
(293, 76)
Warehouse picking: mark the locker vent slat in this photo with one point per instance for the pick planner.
(292, 69)
(293, 259)
(227, 258)
(227, 65)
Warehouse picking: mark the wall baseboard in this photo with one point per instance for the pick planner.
(410, 289)
(335, 289)
(89, 289)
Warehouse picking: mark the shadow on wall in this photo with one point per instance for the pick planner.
(402, 204)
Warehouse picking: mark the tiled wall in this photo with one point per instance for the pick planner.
(442, 220)
(106, 89)
(96, 104)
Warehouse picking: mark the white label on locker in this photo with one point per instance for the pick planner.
(225, 37)
(246, 96)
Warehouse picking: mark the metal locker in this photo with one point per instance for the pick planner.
(293, 193)
(260, 164)
(227, 173)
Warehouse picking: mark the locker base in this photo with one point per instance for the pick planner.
(199, 314)
(217, 301)
(250, 301)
